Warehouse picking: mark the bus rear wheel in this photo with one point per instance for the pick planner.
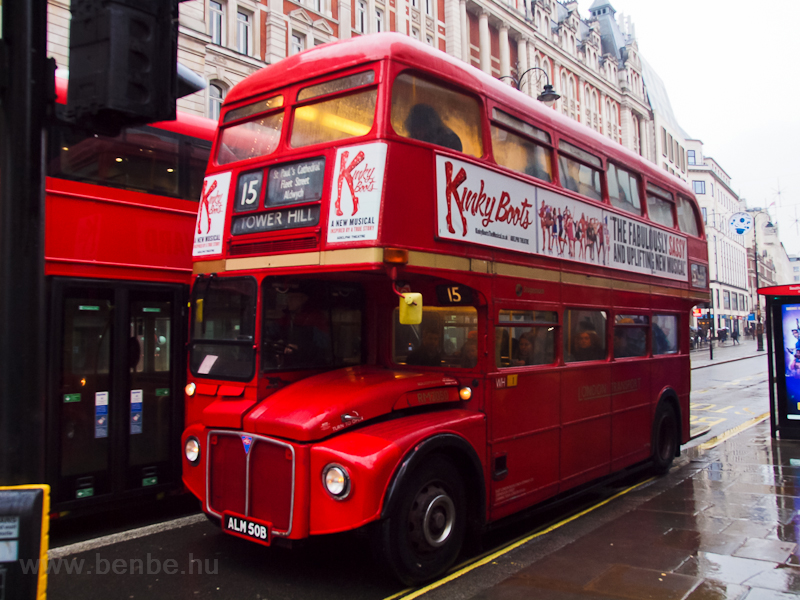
(424, 533)
(665, 438)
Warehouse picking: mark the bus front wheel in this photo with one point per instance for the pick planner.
(665, 438)
(424, 533)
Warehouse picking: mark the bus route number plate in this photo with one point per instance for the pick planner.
(247, 528)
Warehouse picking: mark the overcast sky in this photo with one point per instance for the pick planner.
(730, 69)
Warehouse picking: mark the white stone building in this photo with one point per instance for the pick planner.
(731, 298)
(593, 62)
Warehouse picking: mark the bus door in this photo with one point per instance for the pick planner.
(115, 388)
(525, 428)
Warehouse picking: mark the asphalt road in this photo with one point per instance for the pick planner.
(197, 561)
(727, 395)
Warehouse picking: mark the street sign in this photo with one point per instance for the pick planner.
(741, 222)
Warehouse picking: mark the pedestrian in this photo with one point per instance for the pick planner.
(735, 336)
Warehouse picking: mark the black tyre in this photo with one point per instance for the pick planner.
(665, 438)
(425, 531)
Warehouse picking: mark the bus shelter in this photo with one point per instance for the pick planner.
(783, 343)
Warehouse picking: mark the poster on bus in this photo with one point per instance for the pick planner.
(210, 225)
(790, 317)
(356, 193)
(485, 207)
(477, 205)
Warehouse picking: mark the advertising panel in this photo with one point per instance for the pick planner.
(481, 206)
(790, 317)
(356, 193)
(211, 215)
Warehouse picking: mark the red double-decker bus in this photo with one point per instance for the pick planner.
(424, 302)
(120, 212)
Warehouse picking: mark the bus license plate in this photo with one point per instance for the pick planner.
(247, 528)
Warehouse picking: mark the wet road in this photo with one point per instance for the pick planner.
(198, 561)
(727, 395)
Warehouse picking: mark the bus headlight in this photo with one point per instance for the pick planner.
(192, 450)
(336, 481)
(190, 389)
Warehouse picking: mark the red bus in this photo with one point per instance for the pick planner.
(118, 236)
(545, 275)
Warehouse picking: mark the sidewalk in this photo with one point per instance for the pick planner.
(724, 524)
(727, 352)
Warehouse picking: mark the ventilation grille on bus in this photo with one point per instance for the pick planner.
(274, 246)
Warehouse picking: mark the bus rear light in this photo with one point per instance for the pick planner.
(395, 256)
(190, 389)
(465, 393)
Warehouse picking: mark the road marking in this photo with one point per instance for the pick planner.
(512, 546)
(716, 441)
(124, 536)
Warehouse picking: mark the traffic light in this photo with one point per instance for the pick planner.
(123, 63)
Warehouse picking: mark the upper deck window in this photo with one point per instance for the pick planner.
(687, 218)
(336, 85)
(577, 176)
(334, 119)
(623, 189)
(250, 139)
(519, 153)
(659, 205)
(430, 113)
(253, 109)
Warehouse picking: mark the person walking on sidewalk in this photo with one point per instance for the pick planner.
(735, 337)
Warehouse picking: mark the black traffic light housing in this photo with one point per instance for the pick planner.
(123, 63)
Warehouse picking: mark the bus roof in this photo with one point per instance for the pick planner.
(344, 54)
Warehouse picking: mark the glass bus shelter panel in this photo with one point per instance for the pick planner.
(84, 393)
(151, 394)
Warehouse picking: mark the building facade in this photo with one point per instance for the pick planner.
(731, 297)
(594, 62)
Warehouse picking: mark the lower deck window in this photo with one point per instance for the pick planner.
(525, 338)
(584, 335)
(447, 337)
(630, 336)
(665, 334)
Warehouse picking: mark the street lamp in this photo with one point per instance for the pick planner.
(548, 95)
(759, 328)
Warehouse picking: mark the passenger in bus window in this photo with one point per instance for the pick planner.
(424, 123)
(429, 353)
(586, 345)
(469, 353)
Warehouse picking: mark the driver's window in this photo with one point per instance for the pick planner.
(446, 337)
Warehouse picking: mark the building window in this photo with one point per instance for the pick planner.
(216, 21)
(663, 141)
(215, 97)
(691, 158)
(414, 3)
(361, 17)
(705, 215)
(378, 20)
(243, 32)
(699, 187)
(415, 33)
(429, 7)
(298, 43)
(429, 40)
(671, 146)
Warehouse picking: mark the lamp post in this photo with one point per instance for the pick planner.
(759, 327)
(548, 95)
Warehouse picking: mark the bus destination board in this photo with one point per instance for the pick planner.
(295, 183)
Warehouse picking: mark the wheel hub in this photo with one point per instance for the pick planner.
(431, 519)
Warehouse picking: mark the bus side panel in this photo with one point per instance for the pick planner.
(672, 371)
(586, 423)
(631, 412)
(525, 436)
(372, 455)
(120, 234)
